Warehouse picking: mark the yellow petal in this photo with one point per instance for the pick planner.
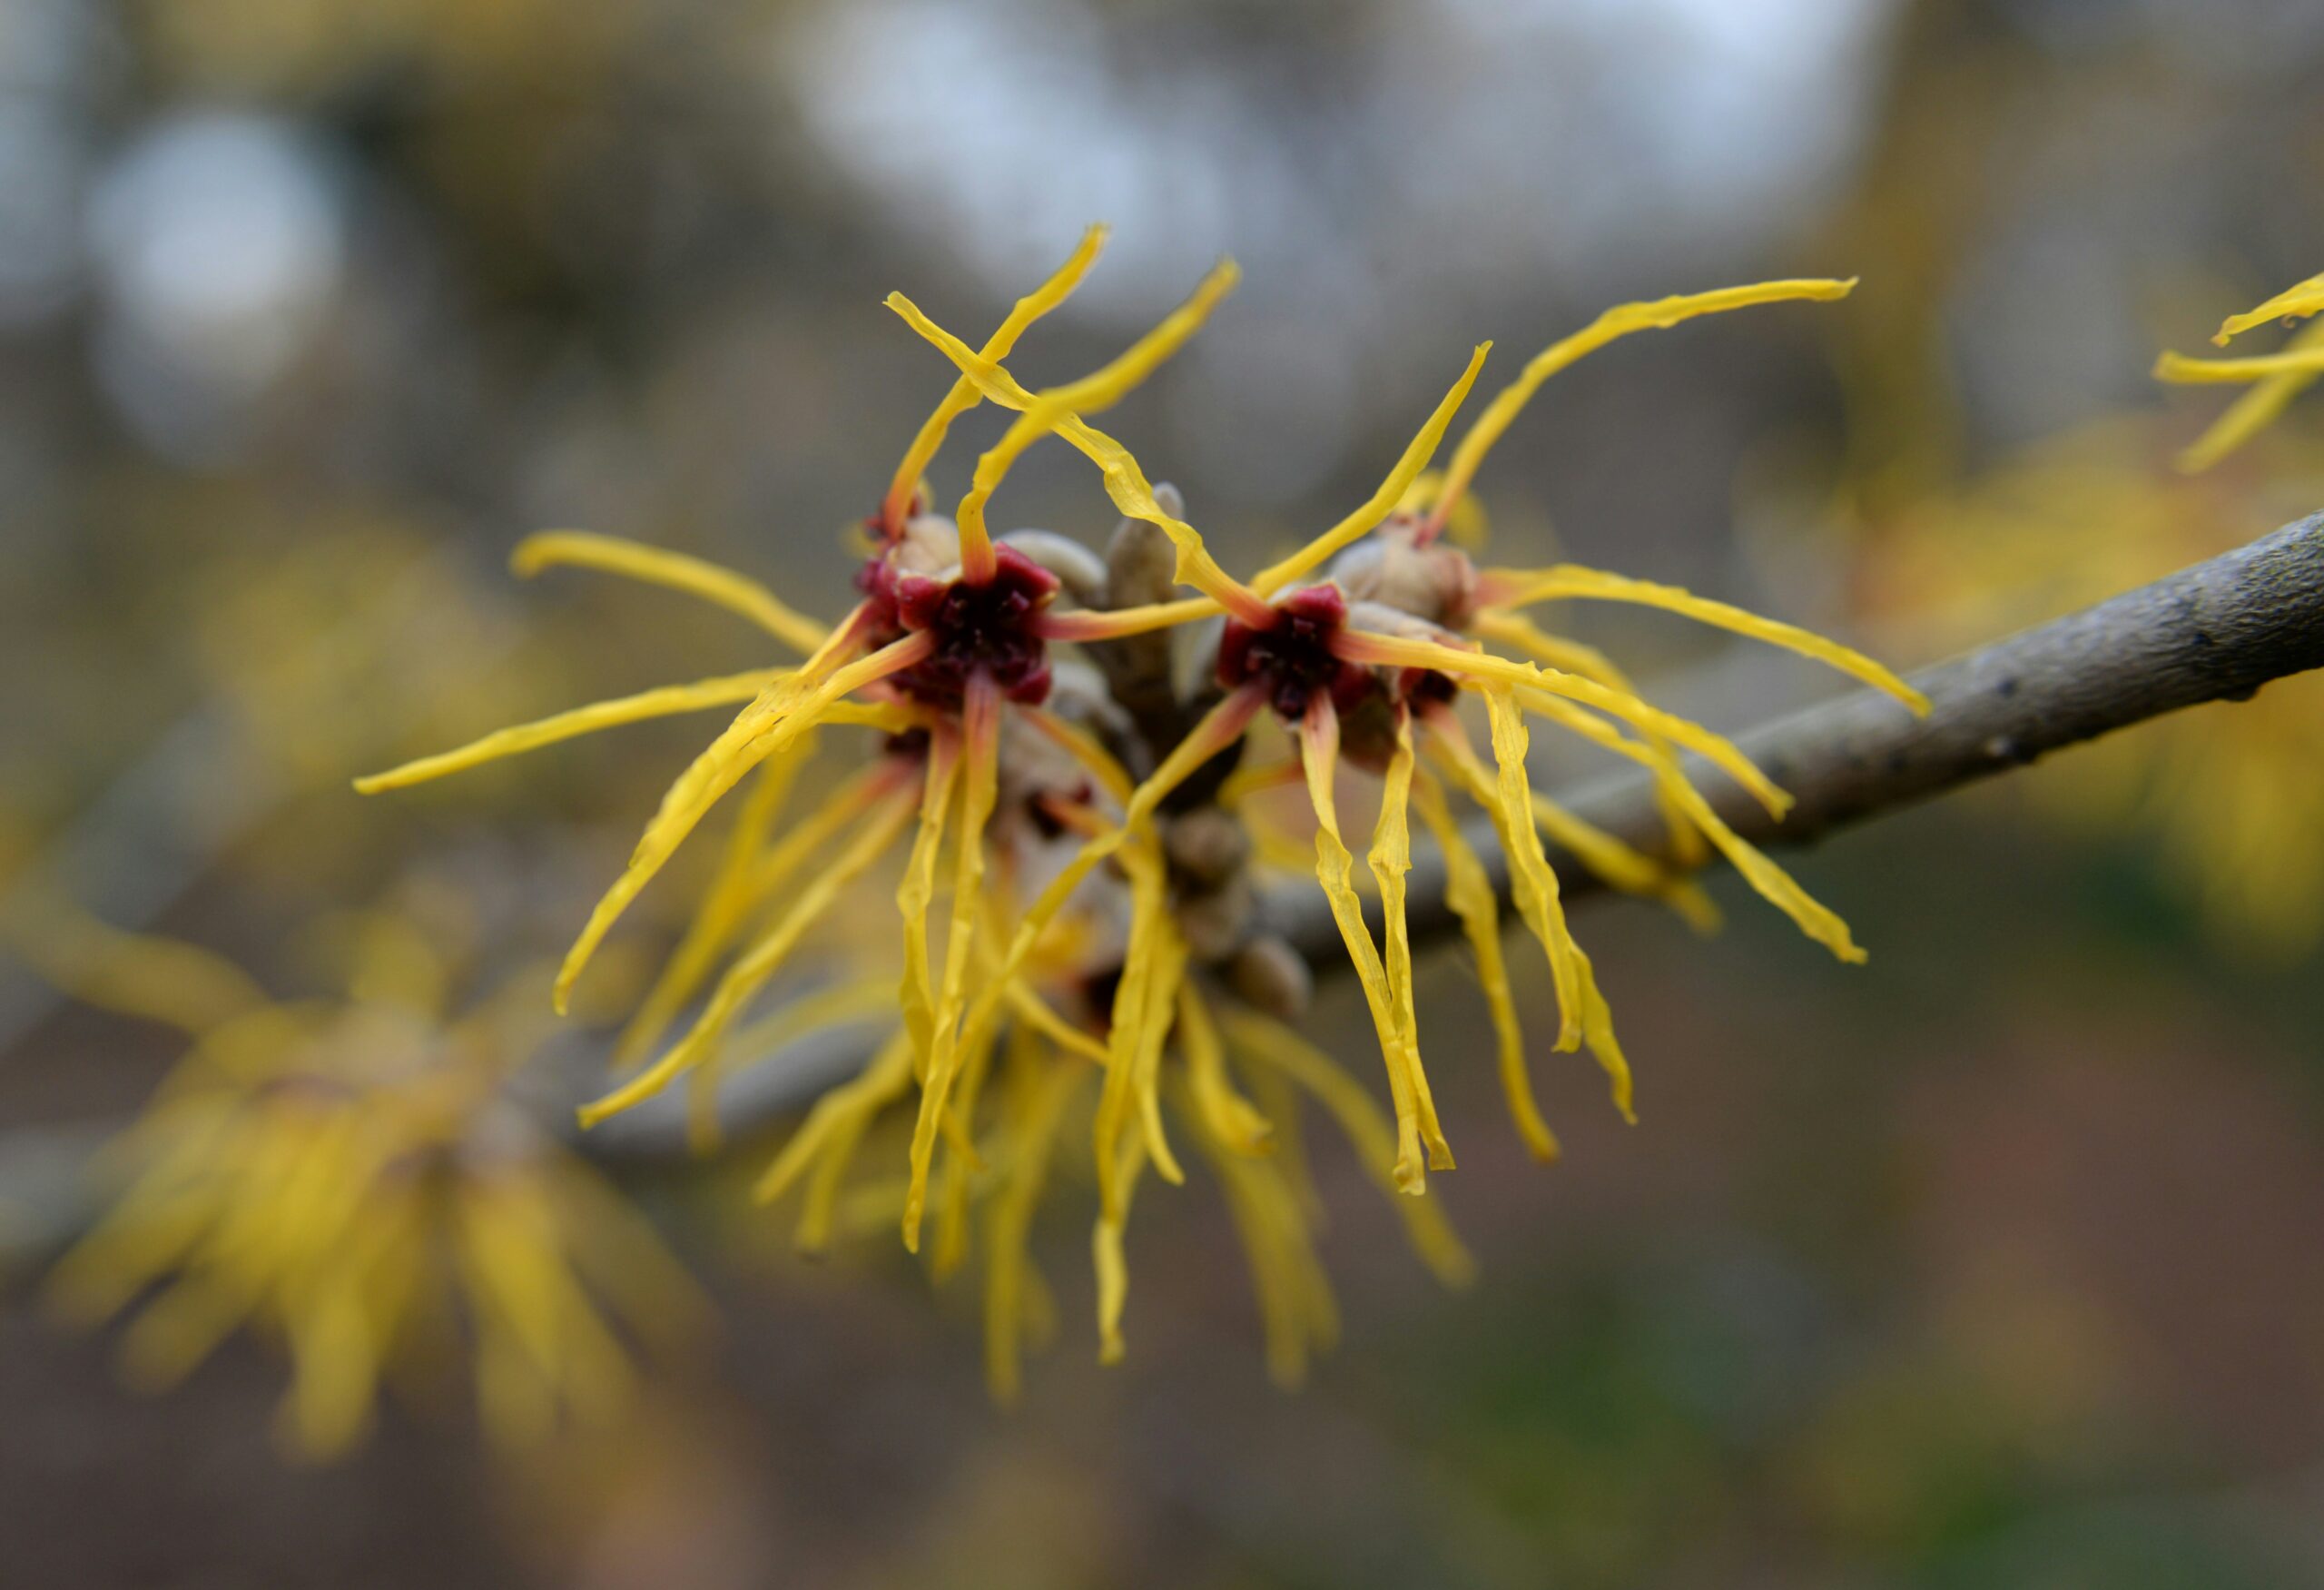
(1508, 589)
(737, 593)
(1614, 324)
(1319, 746)
(1364, 519)
(1470, 895)
(2292, 303)
(963, 395)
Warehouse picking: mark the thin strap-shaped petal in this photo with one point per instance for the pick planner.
(1105, 1254)
(1366, 519)
(882, 1080)
(1092, 394)
(1009, 1225)
(2182, 370)
(1509, 589)
(1319, 752)
(980, 734)
(1152, 963)
(1777, 886)
(1231, 1118)
(1220, 727)
(1470, 893)
(1388, 860)
(723, 907)
(2256, 409)
(1083, 625)
(1126, 482)
(1371, 1134)
(667, 701)
(751, 972)
(1398, 651)
(1631, 870)
(1040, 1016)
(1296, 1310)
(1532, 880)
(826, 1007)
(737, 593)
(155, 979)
(1614, 324)
(759, 731)
(963, 396)
(2294, 303)
(916, 999)
(1563, 652)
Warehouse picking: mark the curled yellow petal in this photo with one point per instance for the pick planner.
(1507, 589)
(1093, 393)
(1367, 518)
(750, 973)
(1776, 885)
(980, 732)
(1227, 1116)
(1533, 881)
(2256, 409)
(737, 593)
(963, 396)
(1389, 859)
(1470, 895)
(1107, 1257)
(780, 715)
(663, 702)
(1319, 740)
(724, 908)
(1612, 325)
(1126, 482)
(1571, 656)
(916, 1000)
(1008, 1261)
(2294, 303)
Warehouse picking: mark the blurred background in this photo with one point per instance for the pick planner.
(1993, 1262)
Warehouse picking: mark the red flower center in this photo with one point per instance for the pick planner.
(984, 628)
(1292, 656)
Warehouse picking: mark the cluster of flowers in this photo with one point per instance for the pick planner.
(1063, 740)
(350, 1177)
(1063, 752)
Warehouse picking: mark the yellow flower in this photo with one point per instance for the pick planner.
(953, 633)
(2275, 378)
(347, 1177)
(1367, 664)
(2086, 516)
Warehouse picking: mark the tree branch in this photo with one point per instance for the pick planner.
(2217, 631)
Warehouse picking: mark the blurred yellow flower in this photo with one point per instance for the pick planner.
(2227, 790)
(351, 1178)
(2275, 378)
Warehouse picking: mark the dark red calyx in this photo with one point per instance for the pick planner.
(1292, 656)
(1423, 688)
(986, 628)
